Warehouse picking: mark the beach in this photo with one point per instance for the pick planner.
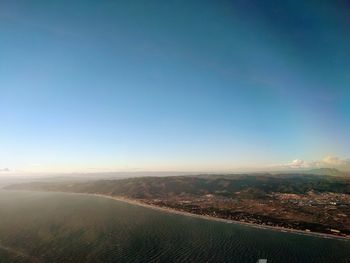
(223, 220)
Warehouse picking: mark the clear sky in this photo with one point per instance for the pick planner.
(173, 85)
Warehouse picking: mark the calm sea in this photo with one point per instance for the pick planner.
(53, 227)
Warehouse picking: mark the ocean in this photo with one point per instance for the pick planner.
(58, 227)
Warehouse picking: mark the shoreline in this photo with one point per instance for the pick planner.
(205, 217)
(217, 219)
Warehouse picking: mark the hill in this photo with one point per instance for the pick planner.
(299, 201)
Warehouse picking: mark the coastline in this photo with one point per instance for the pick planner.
(205, 217)
(217, 219)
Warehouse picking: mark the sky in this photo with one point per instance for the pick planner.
(140, 85)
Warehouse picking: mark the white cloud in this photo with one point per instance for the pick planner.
(4, 169)
(297, 163)
(328, 161)
(331, 160)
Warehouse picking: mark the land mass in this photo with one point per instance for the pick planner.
(305, 202)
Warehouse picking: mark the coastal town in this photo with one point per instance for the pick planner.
(308, 203)
(322, 213)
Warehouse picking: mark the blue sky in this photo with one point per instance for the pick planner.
(172, 85)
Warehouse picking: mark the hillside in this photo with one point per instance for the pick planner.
(306, 202)
(224, 185)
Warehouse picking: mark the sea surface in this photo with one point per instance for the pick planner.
(55, 227)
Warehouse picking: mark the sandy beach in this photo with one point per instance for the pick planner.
(222, 220)
(174, 211)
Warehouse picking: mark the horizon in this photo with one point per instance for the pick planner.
(145, 173)
(177, 86)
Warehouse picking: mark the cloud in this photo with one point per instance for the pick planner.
(297, 163)
(328, 161)
(331, 160)
(4, 169)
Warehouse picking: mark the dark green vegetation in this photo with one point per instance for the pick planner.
(315, 203)
(327, 171)
(55, 227)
